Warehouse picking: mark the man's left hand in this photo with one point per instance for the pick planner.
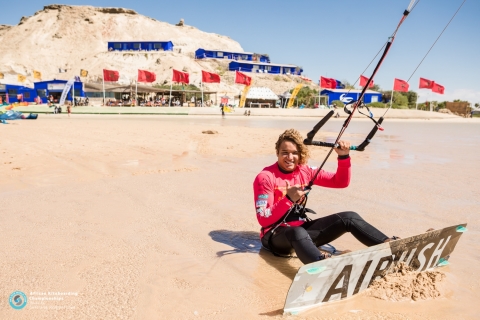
(344, 148)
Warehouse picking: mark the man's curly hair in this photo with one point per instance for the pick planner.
(296, 138)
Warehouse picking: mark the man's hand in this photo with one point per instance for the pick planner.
(295, 192)
(344, 148)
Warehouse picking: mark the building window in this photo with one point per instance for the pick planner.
(117, 45)
(268, 68)
(157, 46)
(219, 54)
(26, 95)
(42, 93)
(136, 46)
(12, 91)
(76, 93)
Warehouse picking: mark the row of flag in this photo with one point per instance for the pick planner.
(398, 84)
(38, 75)
(402, 85)
(177, 76)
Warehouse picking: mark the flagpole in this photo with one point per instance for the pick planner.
(73, 94)
(201, 86)
(170, 98)
(103, 81)
(319, 93)
(136, 92)
(391, 99)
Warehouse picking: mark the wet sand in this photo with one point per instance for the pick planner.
(148, 218)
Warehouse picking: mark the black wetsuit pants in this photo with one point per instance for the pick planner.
(306, 238)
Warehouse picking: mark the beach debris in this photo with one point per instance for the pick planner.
(405, 284)
(209, 132)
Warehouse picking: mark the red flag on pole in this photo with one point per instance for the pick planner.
(210, 77)
(328, 83)
(400, 85)
(364, 80)
(146, 76)
(110, 75)
(242, 78)
(425, 84)
(179, 76)
(438, 88)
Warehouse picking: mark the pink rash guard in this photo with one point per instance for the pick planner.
(270, 192)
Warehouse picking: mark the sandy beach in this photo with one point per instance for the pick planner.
(146, 217)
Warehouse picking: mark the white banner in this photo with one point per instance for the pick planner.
(56, 86)
(65, 91)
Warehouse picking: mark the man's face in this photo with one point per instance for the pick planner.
(288, 156)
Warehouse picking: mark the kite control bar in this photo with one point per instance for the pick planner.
(361, 147)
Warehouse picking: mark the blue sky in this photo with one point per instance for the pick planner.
(335, 38)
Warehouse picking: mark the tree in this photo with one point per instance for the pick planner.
(347, 84)
(375, 87)
(306, 95)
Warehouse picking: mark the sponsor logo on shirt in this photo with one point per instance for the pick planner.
(263, 196)
(261, 203)
(268, 213)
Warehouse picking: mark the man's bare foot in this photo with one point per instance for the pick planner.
(391, 239)
(325, 255)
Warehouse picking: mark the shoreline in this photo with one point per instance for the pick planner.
(215, 111)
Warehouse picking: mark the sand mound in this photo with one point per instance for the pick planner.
(75, 37)
(445, 111)
(404, 284)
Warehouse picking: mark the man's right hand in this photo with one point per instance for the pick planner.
(295, 192)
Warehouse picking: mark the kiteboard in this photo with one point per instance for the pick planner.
(343, 276)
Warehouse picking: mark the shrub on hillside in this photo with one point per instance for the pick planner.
(376, 105)
(338, 103)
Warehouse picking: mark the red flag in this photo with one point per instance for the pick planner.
(179, 76)
(364, 80)
(400, 85)
(438, 88)
(146, 76)
(328, 83)
(210, 77)
(110, 75)
(242, 78)
(425, 83)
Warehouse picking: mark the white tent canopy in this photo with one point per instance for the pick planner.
(261, 93)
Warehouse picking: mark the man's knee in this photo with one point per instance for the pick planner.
(296, 233)
(349, 215)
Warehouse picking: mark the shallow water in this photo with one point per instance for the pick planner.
(160, 218)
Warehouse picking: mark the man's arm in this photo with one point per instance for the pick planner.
(339, 179)
(268, 212)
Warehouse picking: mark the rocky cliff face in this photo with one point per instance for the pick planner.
(75, 37)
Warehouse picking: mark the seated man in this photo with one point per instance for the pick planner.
(279, 189)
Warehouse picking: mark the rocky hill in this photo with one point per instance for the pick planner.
(75, 37)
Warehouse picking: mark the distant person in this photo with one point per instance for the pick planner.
(69, 109)
(222, 107)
